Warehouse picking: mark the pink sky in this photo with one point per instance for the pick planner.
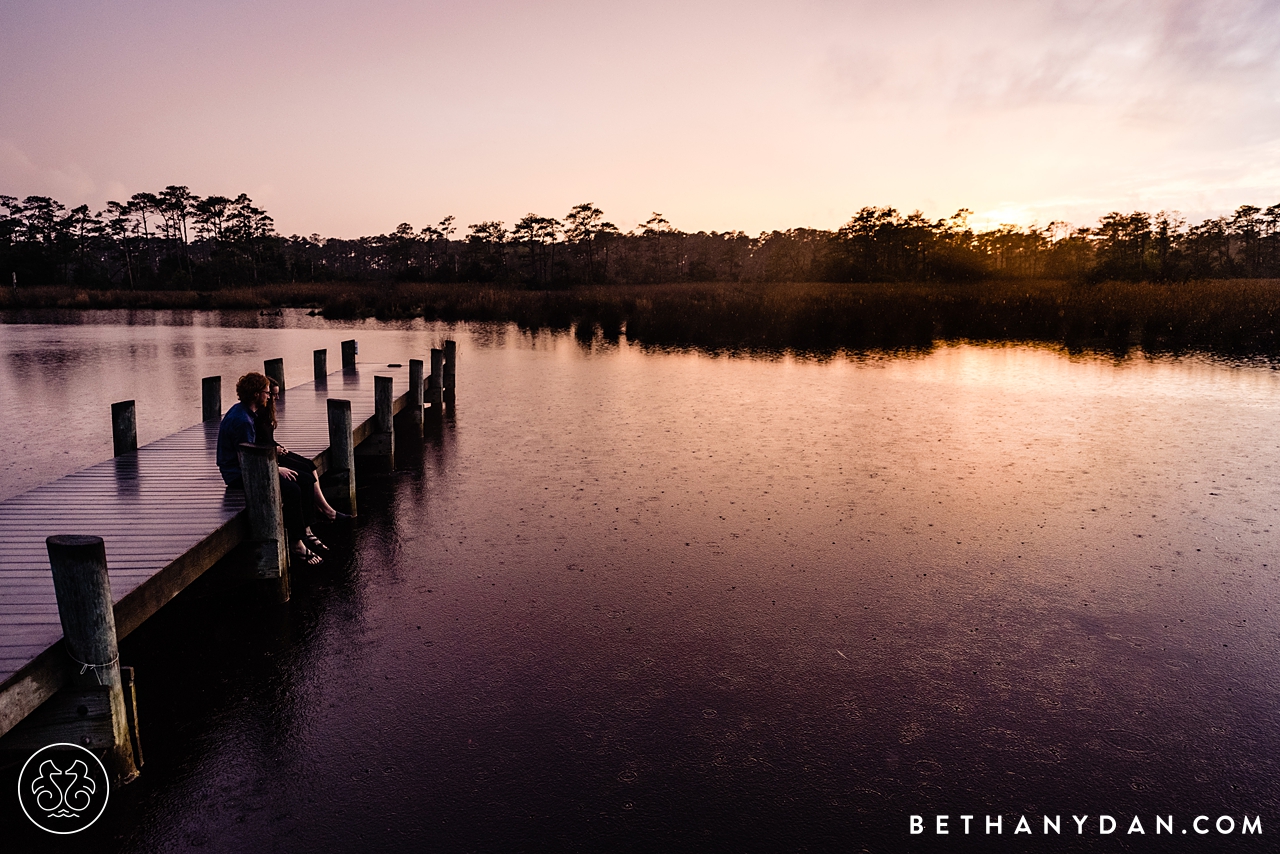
(347, 118)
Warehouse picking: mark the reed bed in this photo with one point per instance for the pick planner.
(1238, 318)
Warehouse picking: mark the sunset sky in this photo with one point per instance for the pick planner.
(346, 118)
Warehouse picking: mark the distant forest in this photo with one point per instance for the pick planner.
(175, 240)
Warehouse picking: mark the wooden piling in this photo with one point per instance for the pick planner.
(349, 355)
(124, 427)
(261, 475)
(211, 399)
(83, 590)
(274, 369)
(379, 447)
(342, 453)
(435, 382)
(320, 359)
(383, 400)
(129, 686)
(416, 394)
(450, 369)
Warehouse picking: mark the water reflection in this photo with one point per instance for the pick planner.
(671, 599)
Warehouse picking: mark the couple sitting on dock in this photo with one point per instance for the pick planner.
(253, 420)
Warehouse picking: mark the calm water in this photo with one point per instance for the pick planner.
(627, 600)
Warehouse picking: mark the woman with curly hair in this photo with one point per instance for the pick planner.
(265, 424)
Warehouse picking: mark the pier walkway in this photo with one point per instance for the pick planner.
(165, 516)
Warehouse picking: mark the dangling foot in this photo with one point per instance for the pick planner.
(305, 555)
(314, 542)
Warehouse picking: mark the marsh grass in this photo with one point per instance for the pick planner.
(267, 296)
(1230, 317)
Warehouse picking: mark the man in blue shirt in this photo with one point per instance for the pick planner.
(237, 424)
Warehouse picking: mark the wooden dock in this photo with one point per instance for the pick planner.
(165, 517)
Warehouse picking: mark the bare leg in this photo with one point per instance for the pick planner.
(322, 503)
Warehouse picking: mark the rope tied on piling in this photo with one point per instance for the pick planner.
(96, 668)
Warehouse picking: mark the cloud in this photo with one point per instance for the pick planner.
(1146, 61)
(20, 175)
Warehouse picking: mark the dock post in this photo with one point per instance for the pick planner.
(320, 358)
(211, 398)
(379, 447)
(416, 398)
(342, 452)
(450, 370)
(83, 590)
(129, 685)
(261, 475)
(435, 382)
(274, 369)
(349, 355)
(383, 399)
(124, 427)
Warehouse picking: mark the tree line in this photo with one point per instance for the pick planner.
(174, 239)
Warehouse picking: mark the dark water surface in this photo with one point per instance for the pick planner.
(631, 601)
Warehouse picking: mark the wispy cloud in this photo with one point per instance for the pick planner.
(22, 171)
(1148, 60)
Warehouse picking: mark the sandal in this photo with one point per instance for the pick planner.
(314, 542)
(308, 557)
